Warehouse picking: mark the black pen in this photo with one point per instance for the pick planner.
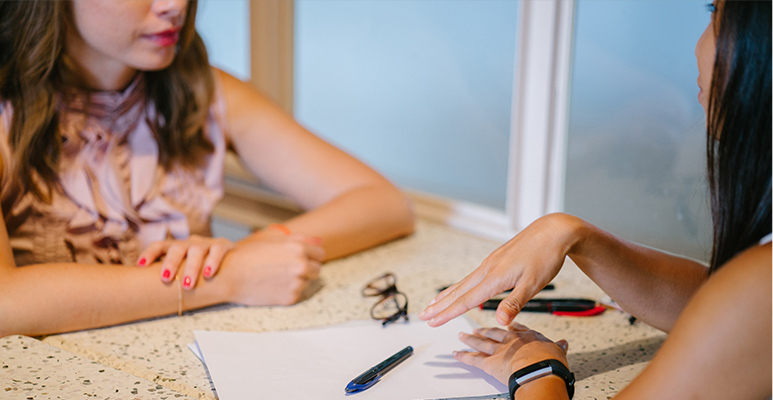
(549, 286)
(574, 307)
(373, 375)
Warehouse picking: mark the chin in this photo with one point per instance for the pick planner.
(155, 62)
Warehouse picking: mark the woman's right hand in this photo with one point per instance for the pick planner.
(525, 264)
(272, 269)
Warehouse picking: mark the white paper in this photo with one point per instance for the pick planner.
(194, 348)
(318, 363)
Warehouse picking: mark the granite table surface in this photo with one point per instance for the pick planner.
(150, 359)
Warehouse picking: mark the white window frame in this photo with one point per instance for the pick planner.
(538, 128)
(538, 122)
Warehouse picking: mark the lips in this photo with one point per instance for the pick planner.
(166, 38)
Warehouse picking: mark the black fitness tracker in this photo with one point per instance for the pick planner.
(538, 370)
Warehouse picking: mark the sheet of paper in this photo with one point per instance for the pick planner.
(318, 363)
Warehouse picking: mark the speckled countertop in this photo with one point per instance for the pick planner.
(150, 359)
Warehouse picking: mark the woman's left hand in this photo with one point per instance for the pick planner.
(501, 352)
(197, 255)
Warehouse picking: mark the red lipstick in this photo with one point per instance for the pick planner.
(165, 38)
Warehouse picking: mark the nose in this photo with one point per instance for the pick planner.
(170, 8)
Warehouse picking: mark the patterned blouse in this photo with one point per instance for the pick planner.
(113, 197)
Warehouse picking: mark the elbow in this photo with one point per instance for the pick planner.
(7, 326)
(404, 215)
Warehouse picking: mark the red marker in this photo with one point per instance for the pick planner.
(571, 307)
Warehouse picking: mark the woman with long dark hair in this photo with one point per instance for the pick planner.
(113, 135)
(718, 317)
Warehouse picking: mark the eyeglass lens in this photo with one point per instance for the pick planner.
(393, 305)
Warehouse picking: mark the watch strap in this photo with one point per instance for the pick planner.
(538, 370)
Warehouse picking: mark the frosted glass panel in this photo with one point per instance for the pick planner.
(420, 90)
(636, 145)
(224, 25)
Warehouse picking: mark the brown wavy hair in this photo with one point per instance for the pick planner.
(34, 69)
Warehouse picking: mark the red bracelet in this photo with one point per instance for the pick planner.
(280, 228)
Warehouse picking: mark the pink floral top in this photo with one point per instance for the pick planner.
(114, 198)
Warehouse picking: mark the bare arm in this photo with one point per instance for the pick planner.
(350, 206)
(52, 298)
(720, 348)
(652, 285)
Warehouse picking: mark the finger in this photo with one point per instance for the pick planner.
(152, 253)
(172, 260)
(456, 289)
(564, 345)
(479, 343)
(194, 260)
(215, 256)
(474, 359)
(513, 303)
(450, 295)
(496, 334)
(468, 300)
(313, 251)
(445, 292)
(313, 270)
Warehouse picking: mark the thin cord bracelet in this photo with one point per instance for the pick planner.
(281, 228)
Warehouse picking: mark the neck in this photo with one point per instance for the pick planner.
(95, 72)
(106, 81)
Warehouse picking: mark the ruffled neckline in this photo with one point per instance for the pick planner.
(107, 104)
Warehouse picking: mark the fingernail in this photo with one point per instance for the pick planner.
(187, 281)
(433, 301)
(166, 274)
(207, 271)
(142, 261)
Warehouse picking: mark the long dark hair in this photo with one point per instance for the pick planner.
(34, 68)
(739, 129)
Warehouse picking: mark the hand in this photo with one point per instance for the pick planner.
(525, 264)
(272, 269)
(195, 255)
(501, 352)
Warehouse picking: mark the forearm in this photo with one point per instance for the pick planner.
(357, 220)
(652, 285)
(52, 298)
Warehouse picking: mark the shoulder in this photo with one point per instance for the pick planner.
(749, 269)
(229, 86)
(739, 292)
(246, 110)
(720, 347)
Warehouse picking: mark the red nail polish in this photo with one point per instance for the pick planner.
(166, 274)
(207, 271)
(187, 281)
(142, 261)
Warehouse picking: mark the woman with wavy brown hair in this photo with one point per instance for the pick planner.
(113, 135)
(718, 316)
